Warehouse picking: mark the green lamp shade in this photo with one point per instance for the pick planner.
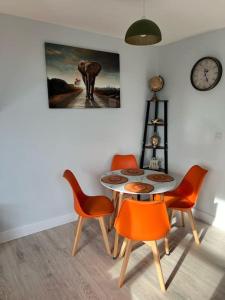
(143, 32)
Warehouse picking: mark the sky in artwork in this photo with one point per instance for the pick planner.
(62, 62)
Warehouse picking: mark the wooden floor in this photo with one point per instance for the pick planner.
(40, 266)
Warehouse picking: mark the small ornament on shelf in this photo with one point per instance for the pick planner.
(155, 140)
(157, 121)
(154, 163)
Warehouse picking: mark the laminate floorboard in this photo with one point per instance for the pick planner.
(40, 266)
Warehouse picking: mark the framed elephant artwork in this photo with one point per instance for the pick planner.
(82, 78)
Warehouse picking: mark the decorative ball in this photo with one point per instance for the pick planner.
(156, 83)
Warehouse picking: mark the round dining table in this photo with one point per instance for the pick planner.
(132, 182)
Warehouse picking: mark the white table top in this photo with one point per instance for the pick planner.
(159, 187)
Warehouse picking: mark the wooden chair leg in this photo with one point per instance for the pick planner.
(116, 241)
(104, 234)
(110, 225)
(113, 215)
(77, 235)
(125, 262)
(170, 213)
(156, 257)
(167, 248)
(195, 233)
(123, 248)
(116, 244)
(173, 212)
(182, 219)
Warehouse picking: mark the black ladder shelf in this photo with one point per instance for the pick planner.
(155, 106)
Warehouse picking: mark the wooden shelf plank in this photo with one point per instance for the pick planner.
(151, 147)
(158, 170)
(157, 100)
(160, 124)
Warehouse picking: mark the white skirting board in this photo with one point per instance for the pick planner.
(203, 216)
(19, 232)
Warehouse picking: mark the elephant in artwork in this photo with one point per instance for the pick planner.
(89, 70)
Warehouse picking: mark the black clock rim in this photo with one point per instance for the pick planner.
(220, 70)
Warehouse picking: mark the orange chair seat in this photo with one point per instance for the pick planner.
(96, 206)
(170, 198)
(173, 200)
(180, 204)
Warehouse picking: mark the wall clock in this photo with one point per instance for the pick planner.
(206, 73)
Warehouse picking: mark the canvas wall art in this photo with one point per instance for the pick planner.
(82, 78)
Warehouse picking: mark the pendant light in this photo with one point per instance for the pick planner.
(143, 32)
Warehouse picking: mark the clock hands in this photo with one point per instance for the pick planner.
(205, 74)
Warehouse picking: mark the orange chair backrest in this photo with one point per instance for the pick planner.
(191, 183)
(78, 194)
(142, 220)
(124, 162)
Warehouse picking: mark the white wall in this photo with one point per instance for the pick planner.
(195, 118)
(38, 143)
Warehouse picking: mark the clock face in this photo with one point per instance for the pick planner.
(206, 73)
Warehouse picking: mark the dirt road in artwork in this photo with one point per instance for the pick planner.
(98, 102)
(78, 100)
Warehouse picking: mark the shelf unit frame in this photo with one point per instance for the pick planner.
(155, 127)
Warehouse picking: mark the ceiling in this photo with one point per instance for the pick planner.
(177, 19)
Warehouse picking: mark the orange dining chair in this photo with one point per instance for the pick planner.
(119, 162)
(88, 207)
(143, 221)
(185, 196)
(127, 161)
